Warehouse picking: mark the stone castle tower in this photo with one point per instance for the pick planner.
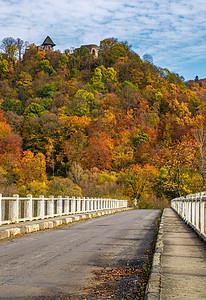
(47, 45)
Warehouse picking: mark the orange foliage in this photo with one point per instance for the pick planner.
(41, 55)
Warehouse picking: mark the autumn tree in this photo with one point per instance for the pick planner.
(32, 168)
(4, 68)
(110, 50)
(10, 149)
(175, 161)
(103, 79)
(138, 180)
(75, 173)
(200, 137)
(98, 152)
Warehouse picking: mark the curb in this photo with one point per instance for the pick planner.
(154, 283)
(33, 226)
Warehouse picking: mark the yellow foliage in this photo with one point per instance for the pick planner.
(32, 168)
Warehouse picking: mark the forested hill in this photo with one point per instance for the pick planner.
(112, 126)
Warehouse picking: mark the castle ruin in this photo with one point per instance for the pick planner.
(48, 45)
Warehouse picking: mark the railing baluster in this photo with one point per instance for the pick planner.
(193, 210)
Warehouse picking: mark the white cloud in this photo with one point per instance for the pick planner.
(173, 31)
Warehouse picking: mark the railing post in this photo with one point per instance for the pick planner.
(184, 209)
(83, 204)
(188, 209)
(87, 208)
(86, 205)
(66, 205)
(199, 210)
(202, 215)
(196, 211)
(59, 205)
(0, 210)
(29, 207)
(107, 203)
(78, 204)
(40, 210)
(50, 208)
(92, 204)
(15, 209)
(95, 204)
(193, 212)
(73, 205)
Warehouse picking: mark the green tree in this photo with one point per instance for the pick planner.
(110, 50)
(63, 60)
(84, 104)
(103, 78)
(4, 68)
(11, 51)
(13, 105)
(45, 66)
(34, 110)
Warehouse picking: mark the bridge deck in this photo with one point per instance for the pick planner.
(60, 264)
(183, 263)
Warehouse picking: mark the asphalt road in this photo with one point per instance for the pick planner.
(60, 261)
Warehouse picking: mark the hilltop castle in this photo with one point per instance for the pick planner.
(48, 45)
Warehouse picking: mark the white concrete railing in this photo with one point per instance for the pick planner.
(192, 209)
(19, 209)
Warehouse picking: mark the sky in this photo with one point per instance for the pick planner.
(172, 31)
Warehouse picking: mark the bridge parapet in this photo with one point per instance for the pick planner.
(192, 209)
(17, 209)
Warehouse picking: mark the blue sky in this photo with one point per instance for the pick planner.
(172, 31)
